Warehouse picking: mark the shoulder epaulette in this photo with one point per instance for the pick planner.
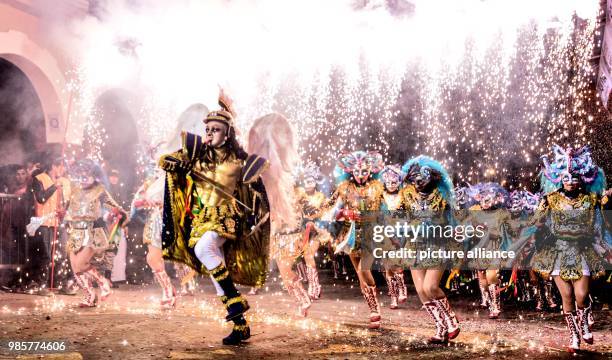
(253, 167)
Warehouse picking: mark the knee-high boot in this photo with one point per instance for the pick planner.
(235, 304)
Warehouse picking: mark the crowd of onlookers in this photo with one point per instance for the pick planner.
(28, 257)
(17, 249)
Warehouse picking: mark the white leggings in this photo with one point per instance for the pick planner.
(209, 250)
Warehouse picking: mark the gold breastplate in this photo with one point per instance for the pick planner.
(224, 175)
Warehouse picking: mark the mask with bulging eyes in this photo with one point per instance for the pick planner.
(462, 196)
(392, 184)
(85, 180)
(487, 200)
(420, 177)
(570, 181)
(516, 202)
(310, 184)
(531, 202)
(391, 181)
(361, 174)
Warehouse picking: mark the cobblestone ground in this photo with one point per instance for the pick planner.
(130, 325)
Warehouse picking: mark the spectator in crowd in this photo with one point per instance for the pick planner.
(5, 179)
(21, 180)
(33, 168)
(50, 189)
(17, 212)
(117, 189)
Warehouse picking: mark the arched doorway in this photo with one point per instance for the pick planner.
(120, 148)
(44, 71)
(22, 119)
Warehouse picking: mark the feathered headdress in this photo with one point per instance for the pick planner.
(462, 197)
(523, 200)
(349, 161)
(226, 114)
(309, 170)
(478, 191)
(571, 162)
(88, 167)
(424, 165)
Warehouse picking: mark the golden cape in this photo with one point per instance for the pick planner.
(247, 257)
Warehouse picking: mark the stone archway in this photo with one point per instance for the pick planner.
(45, 75)
(21, 117)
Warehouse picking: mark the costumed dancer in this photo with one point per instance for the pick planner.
(216, 215)
(149, 198)
(522, 206)
(392, 178)
(606, 201)
(287, 245)
(490, 213)
(428, 199)
(356, 193)
(87, 239)
(576, 251)
(463, 202)
(187, 279)
(315, 233)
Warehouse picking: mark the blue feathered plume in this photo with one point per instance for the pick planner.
(445, 185)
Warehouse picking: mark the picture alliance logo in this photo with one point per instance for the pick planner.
(443, 254)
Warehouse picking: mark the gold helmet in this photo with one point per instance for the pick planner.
(226, 114)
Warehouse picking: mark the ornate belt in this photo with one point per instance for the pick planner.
(81, 225)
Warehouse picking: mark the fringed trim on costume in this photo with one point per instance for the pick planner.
(234, 300)
(219, 273)
(241, 327)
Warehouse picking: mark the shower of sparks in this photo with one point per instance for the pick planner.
(484, 86)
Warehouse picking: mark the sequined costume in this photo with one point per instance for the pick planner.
(427, 209)
(84, 217)
(149, 198)
(575, 221)
(571, 210)
(491, 216)
(193, 207)
(87, 229)
(310, 204)
(216, 215)
(522, 206)
(392, 177)
(355, 197)
(358, 199)
(428, 200)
